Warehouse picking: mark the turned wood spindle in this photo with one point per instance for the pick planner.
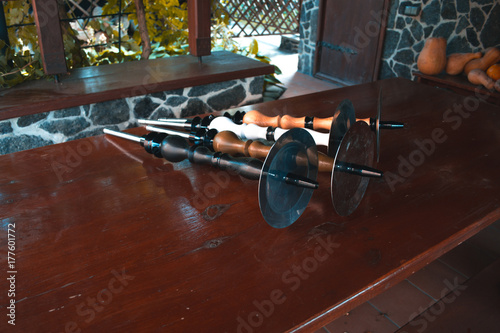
(229, 143)
(289, 122)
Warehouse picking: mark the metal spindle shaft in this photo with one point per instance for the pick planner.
(169, 131)
(123, 135)
(174, 120)
(174, 150)
(161, 122)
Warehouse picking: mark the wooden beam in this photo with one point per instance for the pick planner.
(50, 36)
(199, 12)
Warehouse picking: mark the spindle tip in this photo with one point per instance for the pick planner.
(296, 180)
(391, 125)
(359, 170)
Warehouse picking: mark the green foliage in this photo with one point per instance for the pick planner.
(17, 62)
(16, 68)
(222, 39)
(166, 23)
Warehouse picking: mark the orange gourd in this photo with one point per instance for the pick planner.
(494, 72)
(432, 58)
(457, 61)
(491, 56)
(479, 77)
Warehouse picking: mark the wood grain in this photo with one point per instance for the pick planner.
(350, 41)
(183, 248)
(199, 13)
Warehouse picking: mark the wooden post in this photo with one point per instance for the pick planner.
(199, 12)
(143, 29)
(50, 36)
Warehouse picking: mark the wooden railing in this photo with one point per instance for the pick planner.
(263, 17)
(50, 40)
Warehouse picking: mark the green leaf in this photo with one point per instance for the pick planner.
(95, 25)
(264, 59)
(253, 48)
(271, 79)
(3, 61)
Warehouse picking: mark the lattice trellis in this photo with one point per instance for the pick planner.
(263, 17)
(85, 12)
(85, 8)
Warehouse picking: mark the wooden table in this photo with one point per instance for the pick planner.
(110, 239)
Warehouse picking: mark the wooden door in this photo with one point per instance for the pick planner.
(350, 40)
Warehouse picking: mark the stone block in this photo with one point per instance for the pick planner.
(227, 99)
(109, 113)
(194, 106)
(5, 127)
(209, 88)
(31, 119)
(257, 85)
(64, 113)
(490, 35)
(174, 101)
(463, 6)
(163, 112)
(449, 10)
(67, 127)
(462, 24)
(11, 144)
(144, 107)
(444, 30)
(477, 18)
(431, 14)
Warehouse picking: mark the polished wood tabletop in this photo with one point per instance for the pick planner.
(104, 237)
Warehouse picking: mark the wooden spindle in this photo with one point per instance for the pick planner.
(229, 143)
(257, 118)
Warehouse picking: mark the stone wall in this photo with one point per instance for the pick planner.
(308, 30)
(468, 25)
(87, 120)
